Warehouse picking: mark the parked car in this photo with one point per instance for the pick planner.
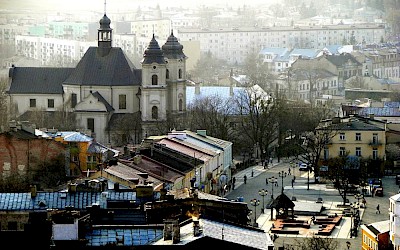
(378, 191)
(303, 167)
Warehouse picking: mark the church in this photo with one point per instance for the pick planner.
(105, 95)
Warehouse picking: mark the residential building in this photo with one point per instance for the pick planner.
(355, 136)
(246, 40)
(105, 89)
(376, 235)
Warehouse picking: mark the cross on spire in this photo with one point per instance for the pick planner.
(105, 3)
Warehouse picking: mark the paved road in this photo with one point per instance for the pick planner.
(256, 180)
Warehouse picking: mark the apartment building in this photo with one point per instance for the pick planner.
(234, 44)
(375, 235)
(394, 221)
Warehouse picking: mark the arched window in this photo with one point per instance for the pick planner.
(180, 105)
(154, 112)
(167, 74)
(154, 80)
(180, 73)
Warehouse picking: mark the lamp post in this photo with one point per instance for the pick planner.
(282, 174)
(273, 181)
(358, 196)
(255, 203)
(263, 193)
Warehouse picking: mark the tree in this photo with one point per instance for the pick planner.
(214, 114)
(259, 120)
(316, 243)
(207, 68)
(3, 106)
(345, 171)
(258, 72)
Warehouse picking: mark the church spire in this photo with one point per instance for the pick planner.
(104, 34)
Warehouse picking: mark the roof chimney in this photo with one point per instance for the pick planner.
(33, 191)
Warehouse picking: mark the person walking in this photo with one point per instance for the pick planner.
(377, 209)
(233, 183)
(244, 179)
(266, 181)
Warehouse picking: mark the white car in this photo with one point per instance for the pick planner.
(303, 167)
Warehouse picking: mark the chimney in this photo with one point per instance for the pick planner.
(72, 187)
(171, 230)
(137, 159)
(33, 191)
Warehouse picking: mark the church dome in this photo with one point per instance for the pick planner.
(105, 22)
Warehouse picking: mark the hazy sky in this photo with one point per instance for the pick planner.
(114, 5)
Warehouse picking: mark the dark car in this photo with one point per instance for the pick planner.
(378, 191)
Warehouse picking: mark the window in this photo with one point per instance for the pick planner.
(358, 151)
(180, 73)
(180, 105)
(74, 100)
(358, 136)
(90, 124)
(154, 80)
(12, 225)
(122, 101)
(154, 112)
(32, 103)
(375, 153)
(342, 151)
(326, 153)
(375, 138)
(50, 103)
(342, 136)
(167, 74)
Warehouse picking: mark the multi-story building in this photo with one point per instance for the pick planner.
(375, 235)
(363, 138)
(234, 44)
(51, 51)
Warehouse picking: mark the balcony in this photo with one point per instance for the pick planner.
(375, 143)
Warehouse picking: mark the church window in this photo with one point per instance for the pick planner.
(180, 105)
(90, 124)
(74, 100)
(180, 73)
(167, 74)
(122, 101)
(32, 103)
(154, 80)
(154, 112)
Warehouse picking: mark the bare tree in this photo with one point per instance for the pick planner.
(4, 117)
(259, 120)
(316, 243)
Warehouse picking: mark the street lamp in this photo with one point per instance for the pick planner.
(263, 193)
(282, 174)
(358, 196)
(273, 181)
(255, 203)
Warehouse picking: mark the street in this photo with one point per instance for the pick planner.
(256, 180)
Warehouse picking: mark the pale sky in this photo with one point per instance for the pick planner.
(115, 5)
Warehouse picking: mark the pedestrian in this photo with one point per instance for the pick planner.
(244, 179)
(233, 183)
(266, 181)
(364, 203)
(292, 182)
(289, 171)
(377, 209)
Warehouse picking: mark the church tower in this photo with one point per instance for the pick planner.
(104, 36)
(154, 96)
(175, 74)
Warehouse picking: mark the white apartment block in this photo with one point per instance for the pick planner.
(51, 51)
(394, 217)
(234, 44)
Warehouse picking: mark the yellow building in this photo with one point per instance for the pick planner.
(375, 236)
(354, 136)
